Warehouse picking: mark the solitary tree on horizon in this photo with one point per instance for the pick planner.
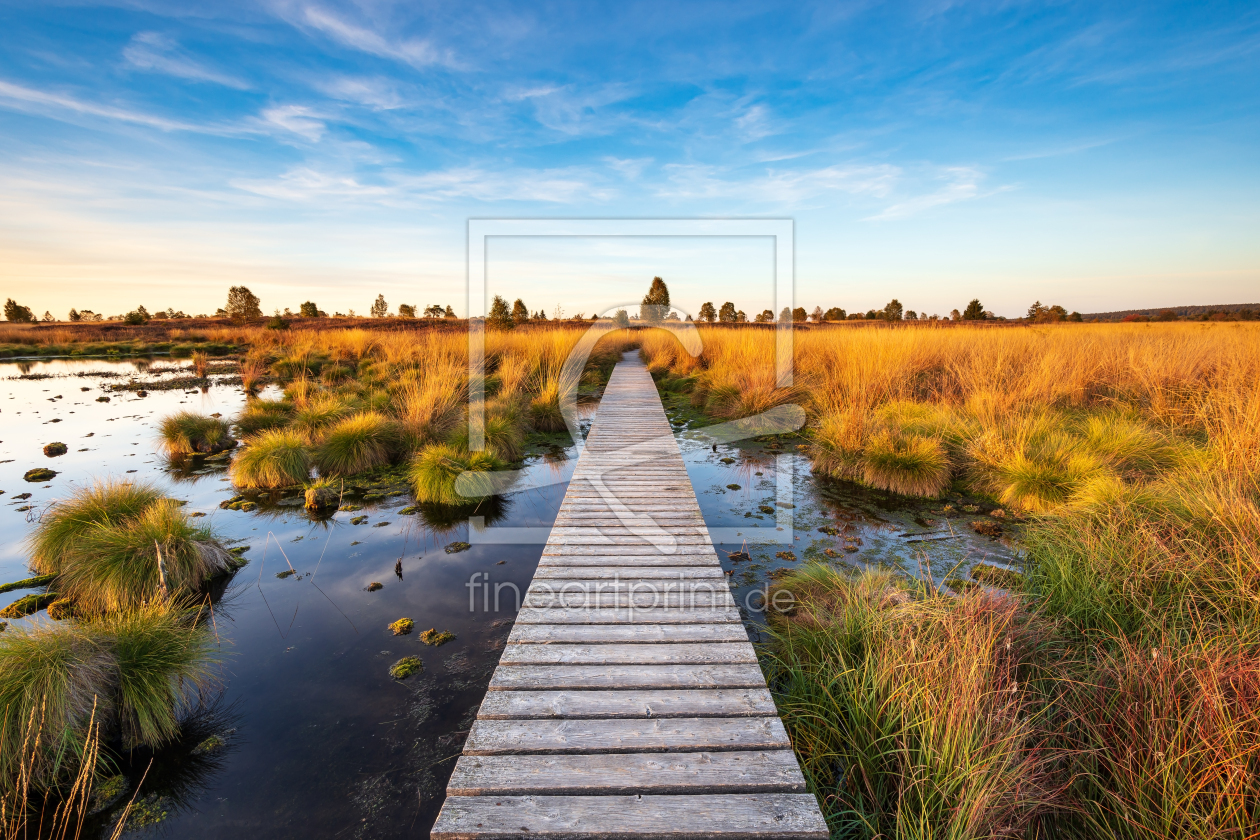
(707, 312)
(974, 311)
(242, 304)
(500, 317)
(520, 312)
(379, 308)
(727, 313)
(656, 302)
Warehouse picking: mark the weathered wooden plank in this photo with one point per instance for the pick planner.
(603, 634)
(629, 558)
(536, 677)
(626, 550)
(648, 703)
(669, 584)
(712, 614)
(592, 735)
(550, 572)
(640, 773)
(661, 653)
(783, 816)
(696, 601)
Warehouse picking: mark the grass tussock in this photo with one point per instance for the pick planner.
(128, 673)
(103, 545)
(104, 504)
(261, 415)
(433, 473)
(189, 433)
(912, 712)
(275, 458)
(360, 442)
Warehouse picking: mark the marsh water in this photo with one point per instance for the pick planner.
(315, 739)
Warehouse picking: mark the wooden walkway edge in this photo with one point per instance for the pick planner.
(628, 702)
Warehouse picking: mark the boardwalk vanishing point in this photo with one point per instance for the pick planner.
(628, 702)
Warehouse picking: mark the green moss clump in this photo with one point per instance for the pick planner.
(146, 812)
(456, 547)
(996, 576)
(402, 626)
(436, 639)
(732, 487)
(405, 667)
(28, 583)
(52, 450)
(40, 474)
(211, 744)
(786, 555)
(105, 793)
(28, 605)
(287, 573)
(374, 586)
(358, 520)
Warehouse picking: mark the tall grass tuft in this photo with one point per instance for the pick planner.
(104, 504)
(911, 465)
(313, 420)
(117, 566)
(1166, 740)
(129, 672)
(434, 470)
(201, 363)
(361, 442)
(275, 458)
(544, 409)
(161, 656)
(504, 437)
(261, 415)
(51, 678)
(188, 433)
(911, 711)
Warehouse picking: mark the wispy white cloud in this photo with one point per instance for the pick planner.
(756, 123)
(415, 52)
(158, 53)
(307, 184)
(56, 104)
(375, 93)
(1060, 150)
(298, 119)
(630, 169)
(692, 181)
(963, 184)
(551, 186)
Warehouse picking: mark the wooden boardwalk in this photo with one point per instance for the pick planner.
(628, 702)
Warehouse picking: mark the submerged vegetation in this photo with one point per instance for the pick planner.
(1112, 689)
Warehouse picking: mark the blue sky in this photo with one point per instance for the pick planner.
(1095, 155)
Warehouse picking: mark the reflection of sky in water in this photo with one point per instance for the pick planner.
(325, 741)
